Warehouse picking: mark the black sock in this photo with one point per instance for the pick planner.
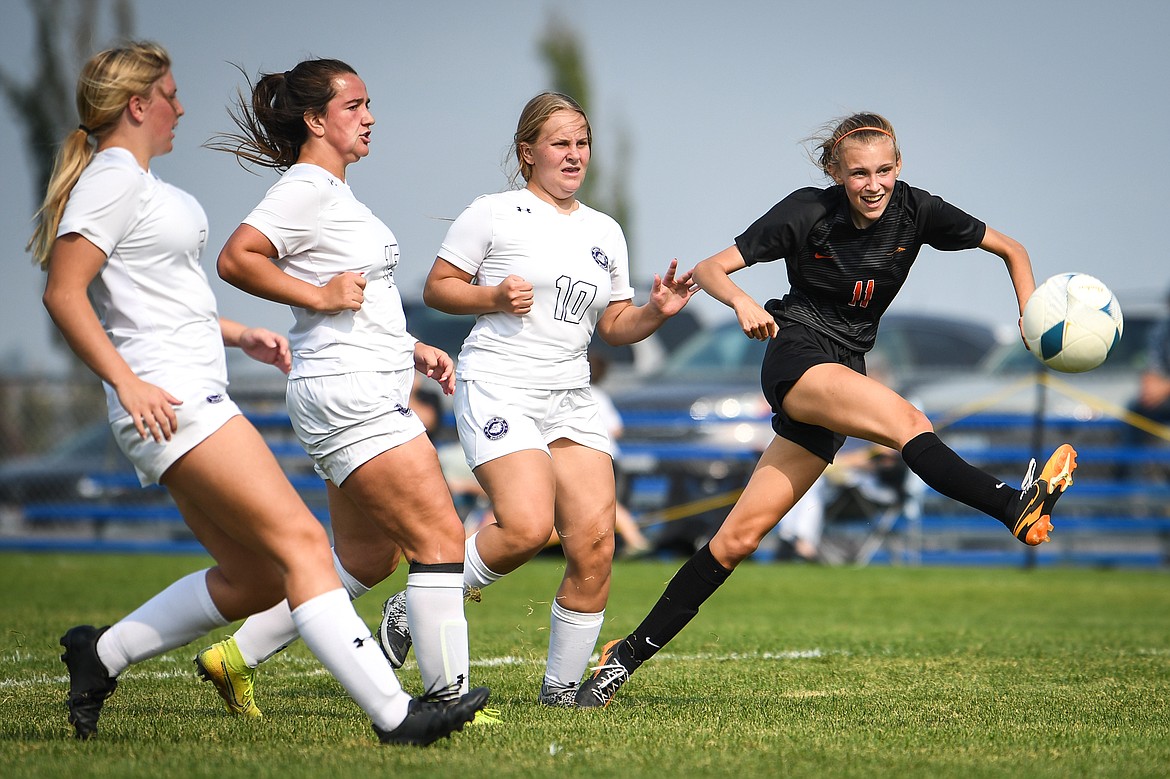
(949, 474)
(696, 581)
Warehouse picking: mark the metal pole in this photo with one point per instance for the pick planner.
(1037, 440)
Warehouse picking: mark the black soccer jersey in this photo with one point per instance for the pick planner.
(843, 279)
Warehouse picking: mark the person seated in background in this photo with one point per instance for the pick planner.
(859, 481)
(469, 497)
(800, 530)
(634, 543)
(1153, 395)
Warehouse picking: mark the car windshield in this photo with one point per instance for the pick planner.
(92, 441)
(435, 328)
(907, 343)
(717, 352)
(1129, 355)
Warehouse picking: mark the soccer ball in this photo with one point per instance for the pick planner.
(1071, 322)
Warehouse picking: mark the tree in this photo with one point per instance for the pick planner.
(64, 38)
(44, 103)
(561, 50)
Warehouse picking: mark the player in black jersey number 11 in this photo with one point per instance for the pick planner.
(847, 248)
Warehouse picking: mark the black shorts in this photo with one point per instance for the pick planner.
(794, 350)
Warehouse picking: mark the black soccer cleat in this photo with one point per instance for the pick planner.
(598, 690)
(89, 681)
(558, 697)
(393, 631)
(429, 718)
(1033, 520)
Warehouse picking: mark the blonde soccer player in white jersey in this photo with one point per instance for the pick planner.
(112, 233)
(541, 271)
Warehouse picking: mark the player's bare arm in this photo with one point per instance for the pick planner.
(244, 263)
(713, 275)
(450, 290)
(259, 343)
(434, 363)
(74, 263)
(624, 323)
(1015, 257)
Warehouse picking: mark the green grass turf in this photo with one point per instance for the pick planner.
(788, 670)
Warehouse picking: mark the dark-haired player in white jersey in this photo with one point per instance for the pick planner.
(848, 249)
(541, 271)
(311, 244)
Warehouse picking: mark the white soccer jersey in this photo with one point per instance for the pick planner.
(319, 230)
(577, 264)
(151, 296)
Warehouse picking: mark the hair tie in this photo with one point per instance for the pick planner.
(860, 129)
(85, 129)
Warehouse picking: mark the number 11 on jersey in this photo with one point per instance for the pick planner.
(862, 293)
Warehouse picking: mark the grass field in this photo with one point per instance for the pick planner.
(788, 670)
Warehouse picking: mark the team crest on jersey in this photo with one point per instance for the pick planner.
(496, 428)
(600, 258)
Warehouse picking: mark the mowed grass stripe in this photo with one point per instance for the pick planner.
(308, 666)
(788, 670)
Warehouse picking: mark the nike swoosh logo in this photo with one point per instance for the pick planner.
(1032, 512)
(1000, 486)
(819, 256)
(651, 643)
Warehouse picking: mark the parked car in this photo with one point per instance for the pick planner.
(85, 487)
(708, 390)
(1005, 381)
(631, 365)
(627, 364)
(694, 428)
(437, 328)
(88, 466)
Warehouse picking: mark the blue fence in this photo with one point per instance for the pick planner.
(1108, 522)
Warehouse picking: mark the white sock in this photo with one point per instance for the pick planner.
(355, 588)
(176, 616)
(434, 611)
(263, 635)
(475, 572)
(342, 642)
(571, 638)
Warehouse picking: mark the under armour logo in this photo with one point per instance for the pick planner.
(359, 642)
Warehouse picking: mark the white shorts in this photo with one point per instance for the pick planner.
(495, 420)
(346, 420)
(198, 418)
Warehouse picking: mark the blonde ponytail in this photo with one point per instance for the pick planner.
(72, 158)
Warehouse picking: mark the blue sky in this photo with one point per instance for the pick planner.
(1043, 119)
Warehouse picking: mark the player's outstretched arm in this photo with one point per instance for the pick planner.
(713, 275)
